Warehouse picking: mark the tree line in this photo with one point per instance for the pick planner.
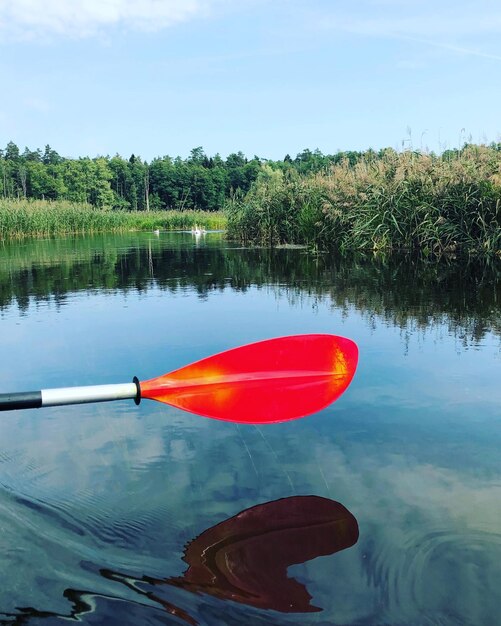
(198, 182)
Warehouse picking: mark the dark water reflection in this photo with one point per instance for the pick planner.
(244, 559)
(466, 292)
(98, 503)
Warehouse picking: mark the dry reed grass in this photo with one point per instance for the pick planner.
(408, 200)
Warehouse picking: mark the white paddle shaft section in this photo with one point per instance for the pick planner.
(92, 393)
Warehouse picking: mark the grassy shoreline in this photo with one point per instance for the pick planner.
(39, 218)
(387, 201)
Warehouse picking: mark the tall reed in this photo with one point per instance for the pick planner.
(406, 200)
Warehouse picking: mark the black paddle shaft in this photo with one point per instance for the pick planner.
(21, 400)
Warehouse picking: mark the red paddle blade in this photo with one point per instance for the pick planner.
(269, 381)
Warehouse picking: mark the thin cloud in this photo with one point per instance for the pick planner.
(459, 49)
(447, 26)
(426, 18)
(25, 19)
(421, 24)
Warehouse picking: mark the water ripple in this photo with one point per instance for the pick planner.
(424, 574)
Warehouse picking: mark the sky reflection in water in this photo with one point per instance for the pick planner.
(411, 449)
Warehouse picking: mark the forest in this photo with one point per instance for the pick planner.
(198, 182)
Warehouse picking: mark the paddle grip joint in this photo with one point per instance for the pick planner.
(137, 399)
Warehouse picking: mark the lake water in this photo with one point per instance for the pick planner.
(384, 508)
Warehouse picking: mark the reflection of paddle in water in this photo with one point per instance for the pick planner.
(245, 558)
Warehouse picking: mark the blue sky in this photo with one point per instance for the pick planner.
(267, 77)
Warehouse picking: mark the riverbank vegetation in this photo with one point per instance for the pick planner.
(20, 218)
(385, 201)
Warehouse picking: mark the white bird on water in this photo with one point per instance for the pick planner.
(198, 231)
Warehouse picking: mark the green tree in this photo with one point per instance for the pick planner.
(11, 152)
(51, 157)
(44, 183)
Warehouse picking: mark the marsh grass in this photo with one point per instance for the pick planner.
(24, 218)
(408, 201)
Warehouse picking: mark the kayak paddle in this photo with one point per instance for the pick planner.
(269, 381)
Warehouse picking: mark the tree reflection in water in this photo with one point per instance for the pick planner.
(402, 290)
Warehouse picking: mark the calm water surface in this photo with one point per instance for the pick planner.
(384, 508)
